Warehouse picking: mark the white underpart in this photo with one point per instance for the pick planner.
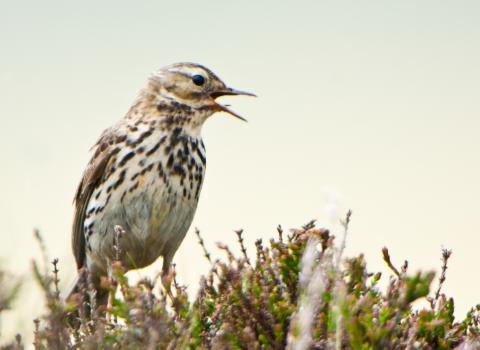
(156, 220)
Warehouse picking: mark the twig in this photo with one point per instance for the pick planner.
(202, 244)
(18, 340)
(119, 232)
(309, 225)
(37, 343)
(242, 246)
(260, 253)
(386, 258)
(280, 233)
(43, 250)
(339, 287)
(174, 279)
(404, 267)
(225, 248)
(345, 224)
(56, 280)
(446, 253)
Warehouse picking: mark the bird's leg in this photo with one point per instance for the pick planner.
(168, 274)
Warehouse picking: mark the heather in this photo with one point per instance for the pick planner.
(298, 291)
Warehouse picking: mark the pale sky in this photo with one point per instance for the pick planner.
(368, 105)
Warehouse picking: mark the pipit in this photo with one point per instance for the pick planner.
(146, 174)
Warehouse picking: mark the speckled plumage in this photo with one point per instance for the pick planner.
(146, 173)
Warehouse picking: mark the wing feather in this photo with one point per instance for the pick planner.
(90, 179)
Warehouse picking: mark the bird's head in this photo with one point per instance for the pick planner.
(194, 86)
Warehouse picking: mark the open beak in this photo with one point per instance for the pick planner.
(229, 92)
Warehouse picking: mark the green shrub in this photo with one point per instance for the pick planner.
(298, 293)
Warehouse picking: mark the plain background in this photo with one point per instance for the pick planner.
(368, 105)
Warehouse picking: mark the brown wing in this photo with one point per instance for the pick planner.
(90, 179)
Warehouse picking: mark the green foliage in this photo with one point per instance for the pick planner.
(299, 293)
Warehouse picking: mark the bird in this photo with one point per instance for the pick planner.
(146, 174)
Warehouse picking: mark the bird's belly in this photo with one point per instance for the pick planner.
(158, 227)
(151, 190)
(155, 219)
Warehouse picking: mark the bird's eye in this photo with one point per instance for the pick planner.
(198, 80)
